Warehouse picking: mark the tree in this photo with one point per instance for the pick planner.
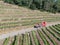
(33, 6)
(9, 1)
(58, 5)
(48, 5)
(30, 3)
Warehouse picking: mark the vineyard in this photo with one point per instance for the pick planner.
(44, 36)
(14, 17)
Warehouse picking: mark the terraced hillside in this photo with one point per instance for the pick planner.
(44, 36)
(13, 17)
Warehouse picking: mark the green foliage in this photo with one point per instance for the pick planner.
(6, 41)
(48, 5)
(35, 38)
(43, 38)
(15, 42)
(44, 31)
(9, 1)
(30, 38)
(55, 35)
(58, 5)
(33, 6)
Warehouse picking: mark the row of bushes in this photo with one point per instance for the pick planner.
(35, 37)
(55, 35)
(51, 39)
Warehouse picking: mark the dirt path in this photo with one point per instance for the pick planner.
(52, 23)
(2, 36)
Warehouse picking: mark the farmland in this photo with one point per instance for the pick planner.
(42, 36)
(14, 17)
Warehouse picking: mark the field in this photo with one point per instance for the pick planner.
(13, 17)
(44, 36)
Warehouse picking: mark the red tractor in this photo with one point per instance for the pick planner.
(44, 24)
